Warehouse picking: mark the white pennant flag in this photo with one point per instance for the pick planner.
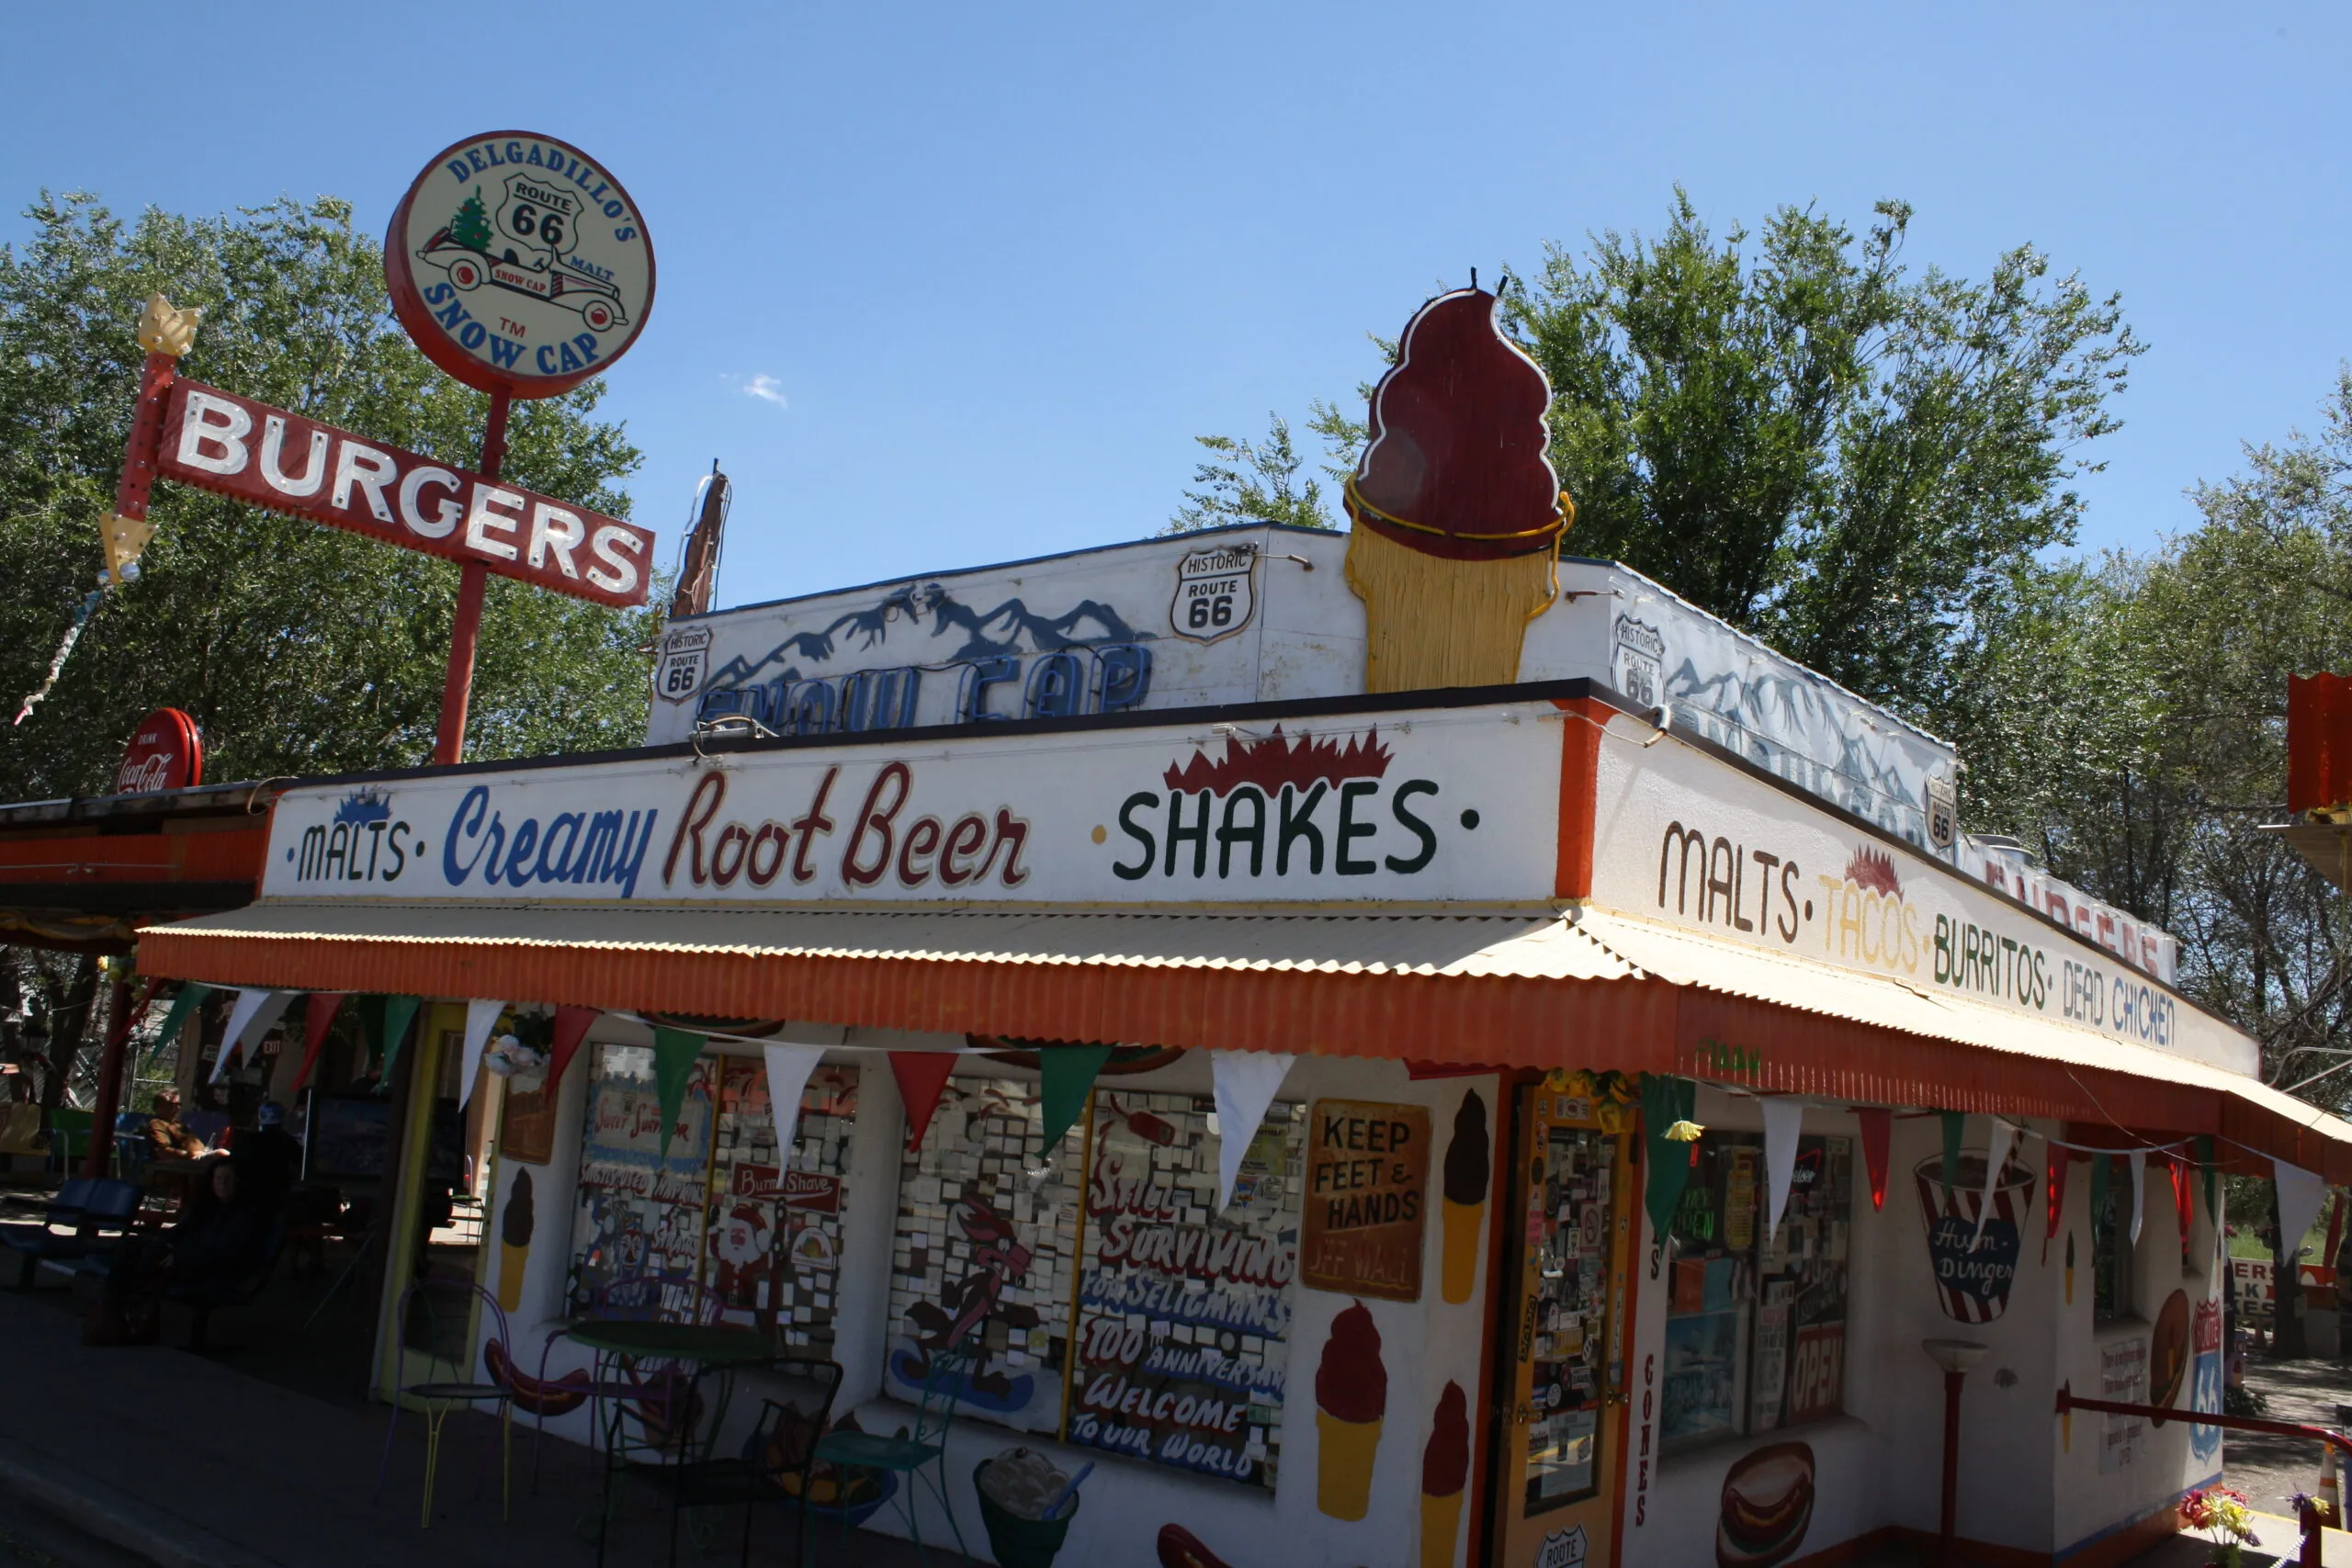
(250, 1018)
(788, 1069)
(1784, 1120)
(2138, 1161)
(1996, 1155)
(481, 1017)
(2301, 1192)
(1246, 1083)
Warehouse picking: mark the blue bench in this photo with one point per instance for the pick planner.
(89, 1214)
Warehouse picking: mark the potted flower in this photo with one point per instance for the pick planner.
(2223, 1515)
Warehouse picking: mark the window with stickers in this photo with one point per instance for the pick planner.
(1101, 1294)
(775, 1225)
(718, 1210)
(639, 1202)
(1756, 1322)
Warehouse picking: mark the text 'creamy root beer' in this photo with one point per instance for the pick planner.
(1457, 513)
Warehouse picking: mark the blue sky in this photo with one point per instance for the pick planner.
(948, 284)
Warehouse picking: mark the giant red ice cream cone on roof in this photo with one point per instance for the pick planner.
(1457, 513)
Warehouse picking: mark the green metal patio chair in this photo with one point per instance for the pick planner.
(69, 1138)
(920, 1455)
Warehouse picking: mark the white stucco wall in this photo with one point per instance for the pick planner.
(1877, 1465)
(1881, 1465)
(1423, 1343)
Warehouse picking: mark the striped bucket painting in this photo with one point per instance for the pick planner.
(1973, 1274)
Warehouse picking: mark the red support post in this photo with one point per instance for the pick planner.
(457, 687)
(1948, 1528)
(110, 1061)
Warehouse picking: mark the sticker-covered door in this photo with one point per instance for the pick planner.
(1559, 1444)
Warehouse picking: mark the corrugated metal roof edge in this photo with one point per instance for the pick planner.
(1497, 1017)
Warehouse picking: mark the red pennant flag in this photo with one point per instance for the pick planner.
(570, 1028)
(1878, 1130)
(922, 1078)
(2184, 1200)
(317, 1018)
(2054, 1185)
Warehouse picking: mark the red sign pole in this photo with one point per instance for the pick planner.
(457, 687)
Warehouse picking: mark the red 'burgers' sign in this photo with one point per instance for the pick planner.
(280, 461)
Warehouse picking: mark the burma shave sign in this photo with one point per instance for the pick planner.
(282, 462)
(1447, 806)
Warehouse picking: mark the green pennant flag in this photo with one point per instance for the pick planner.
(398, 1013)
(2206, 1163)
(1069, 1073)
(674, 1051)
(2100, 1177)
(1955, 1129)
(183, 1003)
(371, 1026)
(1665, 1099)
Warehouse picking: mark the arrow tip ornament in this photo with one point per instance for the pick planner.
(164, 330)
(124, 538)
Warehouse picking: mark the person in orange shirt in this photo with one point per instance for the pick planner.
(169, 1136)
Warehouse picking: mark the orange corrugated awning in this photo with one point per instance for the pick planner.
(1533, 988)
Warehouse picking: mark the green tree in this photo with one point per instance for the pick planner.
(470, 226)
(2256, 594)
(1253, 481)
(2145, 757)
(1856, 463)
(299, 650)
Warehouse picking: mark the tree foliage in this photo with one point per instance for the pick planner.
(299, 650)
(1856, 463)
(2150, 753)
(1247, 481)
(1852, 462)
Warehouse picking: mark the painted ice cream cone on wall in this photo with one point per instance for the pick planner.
(1446, 1471)
(1469, 1162)
(514, 1242)
(1351, 1400)
(1457, 514)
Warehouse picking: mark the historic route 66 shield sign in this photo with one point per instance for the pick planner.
(519, 265)
(1943, 811)
(1213, 592)
(685, 659)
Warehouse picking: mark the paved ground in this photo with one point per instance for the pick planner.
(114, 1459)
(2270, 1470)
(31, 1536)
(185, 1462)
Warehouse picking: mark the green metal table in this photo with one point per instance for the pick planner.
(703, 1344)
(635, 1340)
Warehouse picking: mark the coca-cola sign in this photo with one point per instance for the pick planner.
(165, 752)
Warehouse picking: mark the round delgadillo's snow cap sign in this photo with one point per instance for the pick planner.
(519, 265)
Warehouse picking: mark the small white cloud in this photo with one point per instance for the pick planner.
(767, 389)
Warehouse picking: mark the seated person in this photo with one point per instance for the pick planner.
(168, 1135)
(222, 1236)
(270, 1157)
